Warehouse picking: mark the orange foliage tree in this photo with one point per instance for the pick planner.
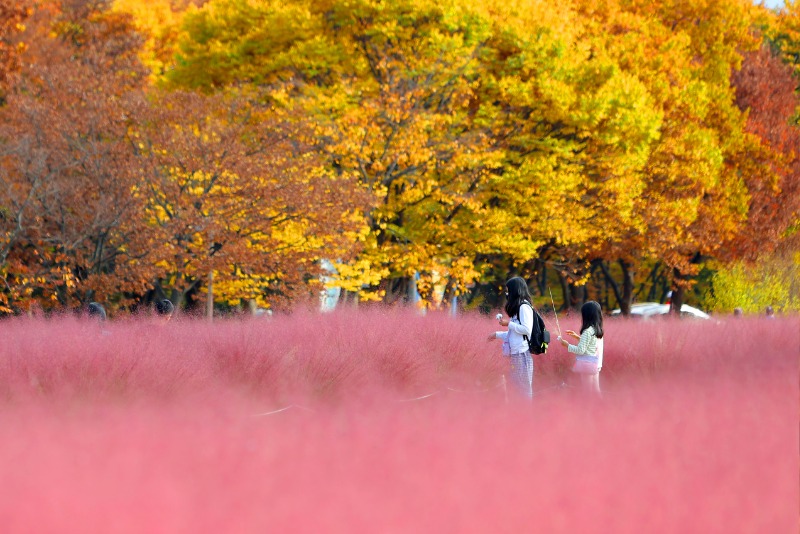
(147, 148)
(231, 191)
(117, 192)
(13, 14)
(66, 163)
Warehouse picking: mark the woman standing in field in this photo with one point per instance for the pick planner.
(519, 323)
(589, 350)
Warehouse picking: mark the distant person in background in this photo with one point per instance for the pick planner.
(589, 350)
(35, 311)
(770, 313)
(165, 309)
(738, 313)
(96, 311)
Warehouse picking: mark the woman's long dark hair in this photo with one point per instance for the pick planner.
(592, 315)
(517, 289)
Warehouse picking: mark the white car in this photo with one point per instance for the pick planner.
(646, 310)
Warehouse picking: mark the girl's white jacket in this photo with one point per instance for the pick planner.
(518, 327)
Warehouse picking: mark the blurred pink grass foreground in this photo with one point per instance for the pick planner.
(385, 421)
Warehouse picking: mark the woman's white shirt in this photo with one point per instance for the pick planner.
(518, 327)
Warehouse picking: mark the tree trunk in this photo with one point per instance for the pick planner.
(577, 296)
(176, 297)
(210, 297)
(541, 280)
(644, 285)
(413, 295)
(564, 291)
(396, 288)
(449, 292)
(614, 287)
(678, 293)
(627, 287)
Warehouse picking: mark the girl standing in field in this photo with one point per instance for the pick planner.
(519, 323)
(589, 350)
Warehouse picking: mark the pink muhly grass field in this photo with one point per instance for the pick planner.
(385, 421)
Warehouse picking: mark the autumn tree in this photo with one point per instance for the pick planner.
(773, 280)
(576, 130)
(13, 14)
(765, 89)
(230, 191)
(783, 30)
(159, 23)
(113, 190)
(462, 125)
(66, 169)
(692, 196)
(389, 90)
(413, 144)
(702, 170)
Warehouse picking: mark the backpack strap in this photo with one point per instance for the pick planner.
(533, 323)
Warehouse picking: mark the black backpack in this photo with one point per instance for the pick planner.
(540, 337)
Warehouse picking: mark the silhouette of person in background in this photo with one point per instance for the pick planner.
(165, 309)
(770, 313)
(738, 313)
(95, 310)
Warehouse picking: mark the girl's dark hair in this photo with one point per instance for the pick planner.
(517, 293)
(592, 315)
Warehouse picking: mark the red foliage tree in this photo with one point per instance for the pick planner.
(765, 86)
